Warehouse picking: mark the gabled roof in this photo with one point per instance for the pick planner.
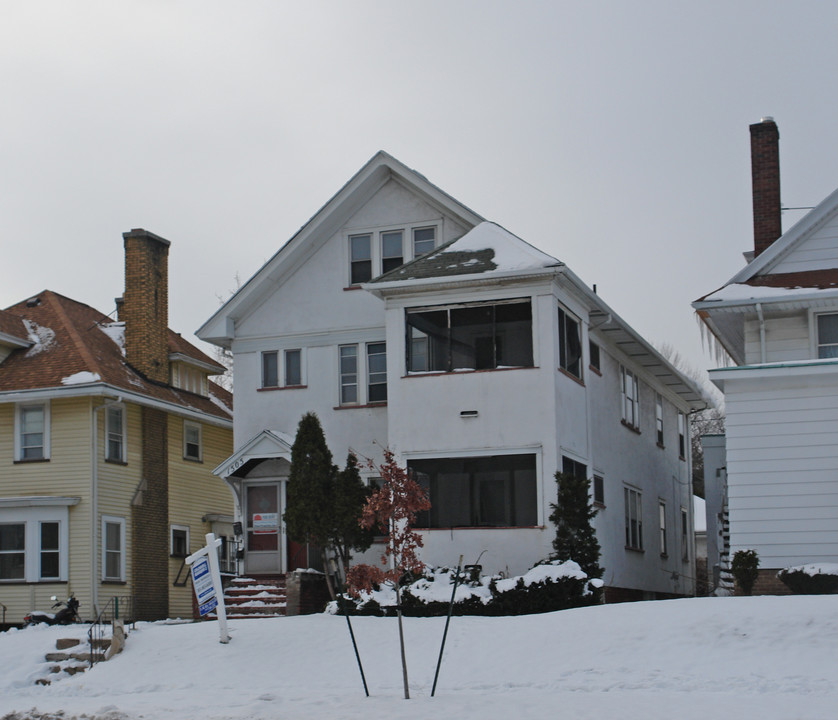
(74, 349)
(778, 278)
(380, 169)
(267, 445)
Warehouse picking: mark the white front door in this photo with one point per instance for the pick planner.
(264, 539)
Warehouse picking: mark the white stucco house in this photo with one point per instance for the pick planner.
(777, 320)
(404, 319)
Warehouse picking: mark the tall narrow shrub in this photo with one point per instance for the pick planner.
(572, 515)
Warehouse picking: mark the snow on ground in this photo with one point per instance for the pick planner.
(771, 658)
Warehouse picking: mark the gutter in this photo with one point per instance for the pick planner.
(105, 390)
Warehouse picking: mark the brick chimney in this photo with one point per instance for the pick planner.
(145, 306)
(765, 178)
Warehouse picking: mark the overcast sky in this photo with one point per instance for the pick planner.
(612, 135)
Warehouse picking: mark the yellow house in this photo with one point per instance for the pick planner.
(109, 431)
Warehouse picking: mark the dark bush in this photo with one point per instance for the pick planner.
(745, 569)
(803, 583)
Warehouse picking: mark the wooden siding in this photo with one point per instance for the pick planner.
(786, 338)
(67, 473)
(782, 458)
(815, 253)
(194, 492)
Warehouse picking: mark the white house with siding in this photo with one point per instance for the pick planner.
(777, 320)
(404, 319)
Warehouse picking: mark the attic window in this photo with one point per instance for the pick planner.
(473, 336)
(375, 252)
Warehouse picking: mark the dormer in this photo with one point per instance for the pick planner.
(13, 334)
(187, 373)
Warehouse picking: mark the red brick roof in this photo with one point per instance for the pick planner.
(69, 339)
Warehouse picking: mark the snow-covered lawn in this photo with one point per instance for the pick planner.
(766, 658)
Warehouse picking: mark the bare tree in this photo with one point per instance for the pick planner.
(224, 356)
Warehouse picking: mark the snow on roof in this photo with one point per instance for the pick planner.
(511, 252)
(80, 378)
(741, 291)
(42, 337)
(116, 332)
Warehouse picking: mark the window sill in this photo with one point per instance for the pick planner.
(114, 582)
(573, 377)
(661, 445)
(633, 428)
(55, 581)
(352, 287)
(199, 461)
(31, 460)
(360, 407)
(682, 458)
(440, 373)
(595, 370)
(600, 505)
(634, 549)
(281, 387)
(115, 462)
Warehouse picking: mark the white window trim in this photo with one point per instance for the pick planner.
(628, 490)
(575, 320)
(262, 355)
(113, 520)
(660, 424)
(172, 528)
(813, 332)
(376, 254)
(187, 424)
(360, 376)
(284, 368)
(19, 428)
(683, 436)
(625, 400)
(664, 546)
(124, 432)
(31, 518)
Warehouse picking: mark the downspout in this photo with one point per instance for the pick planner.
(94, 502)
(762, 353)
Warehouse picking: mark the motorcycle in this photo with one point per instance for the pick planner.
(68, 614)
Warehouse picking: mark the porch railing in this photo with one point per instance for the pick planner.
(119, 607)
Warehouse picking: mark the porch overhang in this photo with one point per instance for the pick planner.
(267, 445)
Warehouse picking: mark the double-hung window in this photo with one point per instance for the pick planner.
(49, 565)
(827, 335)
(662, 525)
(570, 345)
(348, 359)
(473, 336)
(685, 536)
(376, 372)
(659, 418)
(293, 367)
(270, 369)
(32, 432)
(12, 551)
(630, 395)
(682, 436)
(424, 240)
(113, 548)
(392, 250)
(291, 370)
(599, 490)
(360, 258)
(192, 441)
(593, 354)
(634, 519)
(115, 434)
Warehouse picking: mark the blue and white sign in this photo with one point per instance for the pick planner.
(204, 587)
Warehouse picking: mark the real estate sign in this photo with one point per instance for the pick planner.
(204, 587)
